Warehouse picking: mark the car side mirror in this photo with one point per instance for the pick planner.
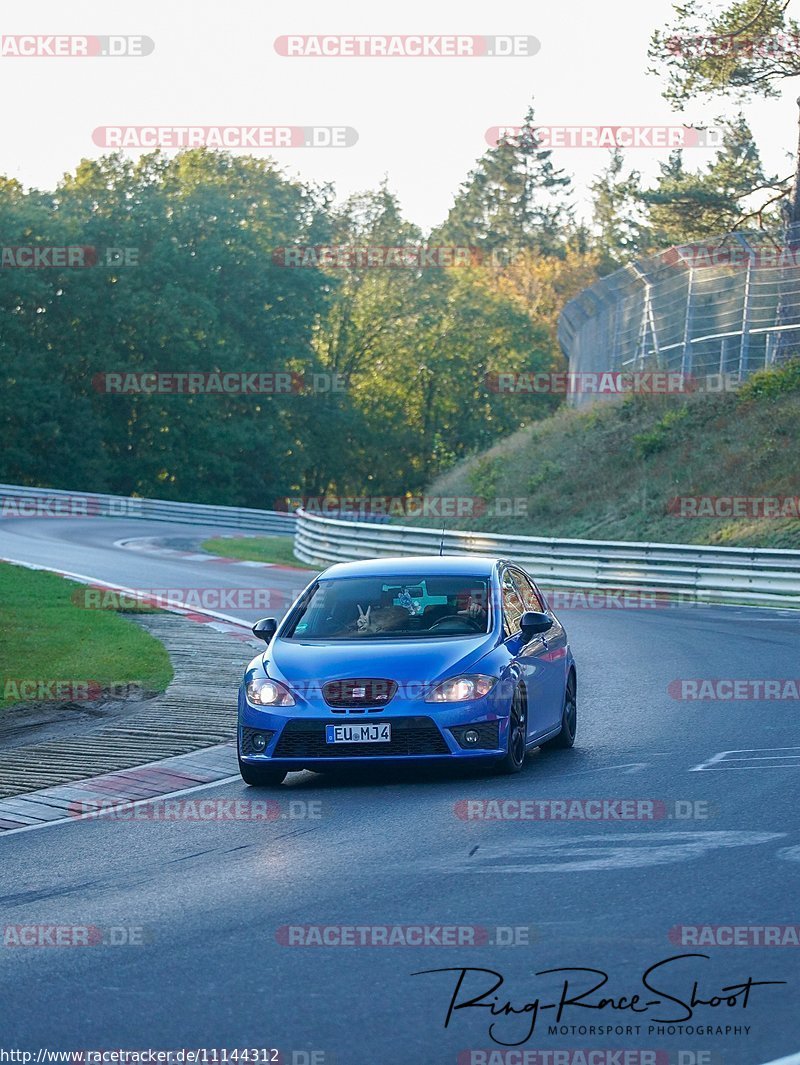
(265, 629)
(532, 623)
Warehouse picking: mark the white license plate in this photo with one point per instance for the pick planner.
(358, 733)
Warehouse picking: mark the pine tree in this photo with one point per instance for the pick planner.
(690, 205)
(617, 214)
(514, 199)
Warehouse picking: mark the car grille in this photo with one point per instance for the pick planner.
(359, 694)
(410, 736)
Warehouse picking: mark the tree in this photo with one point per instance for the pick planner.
(542, 285)
(742, 51)
(617, 214)
(689, 205)
(414, 346)
(204, 296)
(212, 291)
(515, 198)
(367, 308)
(425, 391)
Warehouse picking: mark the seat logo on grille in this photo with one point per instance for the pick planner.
(358, 693)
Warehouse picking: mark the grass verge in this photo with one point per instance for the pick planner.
(277, 549)
(611, 473)
(52, 648)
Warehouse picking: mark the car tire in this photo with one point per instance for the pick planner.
(258, 776)
(517, 734)
(569, 717)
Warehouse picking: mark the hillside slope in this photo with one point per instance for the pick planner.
(611, 473)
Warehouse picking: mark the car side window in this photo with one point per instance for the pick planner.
(527, 592)
(513, 604)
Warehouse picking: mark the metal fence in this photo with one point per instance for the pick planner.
(725, 306)
(672, 571)
(21, 502)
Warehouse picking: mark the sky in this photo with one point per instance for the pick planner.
(421, 122)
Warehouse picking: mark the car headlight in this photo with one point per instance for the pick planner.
(461, 689)
(265, 692)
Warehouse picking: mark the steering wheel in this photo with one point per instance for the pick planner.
(462, 618)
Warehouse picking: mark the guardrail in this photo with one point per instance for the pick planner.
(756, 576)
(16, 501)
(681, 571)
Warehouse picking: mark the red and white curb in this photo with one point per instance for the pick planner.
(180, 775)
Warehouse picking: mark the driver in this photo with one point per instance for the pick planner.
(474, 608)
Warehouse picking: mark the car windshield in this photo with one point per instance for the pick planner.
(357, 608)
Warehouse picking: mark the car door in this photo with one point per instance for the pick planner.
(541, 660)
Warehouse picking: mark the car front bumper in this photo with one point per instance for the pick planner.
(420, 732)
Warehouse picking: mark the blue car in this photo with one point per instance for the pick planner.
(397, 660)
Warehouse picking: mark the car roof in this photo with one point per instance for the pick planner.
(415, 565)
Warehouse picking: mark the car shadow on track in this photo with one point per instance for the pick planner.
(538, 761)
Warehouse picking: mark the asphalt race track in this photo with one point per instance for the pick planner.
(206, 903)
